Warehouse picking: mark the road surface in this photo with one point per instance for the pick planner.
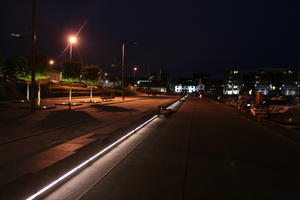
(207, 151)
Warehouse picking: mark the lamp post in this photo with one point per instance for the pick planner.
(72, 40)
(134, 70)
(33, 54)
(123, 62)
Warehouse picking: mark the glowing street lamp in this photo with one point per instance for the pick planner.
(51, 62)
(134, 70)
(72, 40)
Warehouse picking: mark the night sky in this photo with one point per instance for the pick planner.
(179, 37)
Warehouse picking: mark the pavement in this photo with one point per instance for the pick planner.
(207, 150)
(50, 138)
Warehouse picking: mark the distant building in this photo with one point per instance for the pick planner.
(265, 81)
(188, 86)
(153, 86)
(233, 82)
(109, 81)
(185, 88)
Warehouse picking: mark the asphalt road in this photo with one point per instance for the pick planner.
(207, 151)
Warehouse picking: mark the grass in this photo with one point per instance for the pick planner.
(71, 79)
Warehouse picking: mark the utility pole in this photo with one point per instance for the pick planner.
(123, 63)
(149, 71)
(33, 55)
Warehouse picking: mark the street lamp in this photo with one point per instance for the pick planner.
(51, 62)
(72, 40)
(123, 67)
(134, 70)
(123, 63)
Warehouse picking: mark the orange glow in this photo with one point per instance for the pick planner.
(73, 39)
(51, 62)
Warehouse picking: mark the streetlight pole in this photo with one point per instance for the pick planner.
(133, 77)
(134, 71)
(72, 40)
(33, 55)
(71, 49)
(123, 63)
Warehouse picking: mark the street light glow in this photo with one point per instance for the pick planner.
(72, 39)
(135, 68)
(51, 62)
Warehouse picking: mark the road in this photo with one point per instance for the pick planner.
(207, 151)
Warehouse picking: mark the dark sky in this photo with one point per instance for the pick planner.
(181, 37)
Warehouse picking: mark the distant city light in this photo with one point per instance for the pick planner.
(15, 35)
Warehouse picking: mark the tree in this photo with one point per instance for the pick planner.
(42, 67)
(22, 70)
(14, 67)
(71, 73)
(90, 75)
(42, 71)
(19, 68)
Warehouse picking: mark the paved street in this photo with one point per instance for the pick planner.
(207, 151)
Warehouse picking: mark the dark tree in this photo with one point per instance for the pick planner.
(15, 67)
(71, 71)
(19, 67)
(90, 74)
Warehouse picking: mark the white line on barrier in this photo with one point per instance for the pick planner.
(72, 171)
(55, 182)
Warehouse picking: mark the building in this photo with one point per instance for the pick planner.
(187, 86)
(269, 81)
(233, 82)
(153, 86)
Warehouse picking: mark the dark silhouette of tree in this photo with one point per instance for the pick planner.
(14, 67)
(90, 74)
(71, 71)
(19, 67)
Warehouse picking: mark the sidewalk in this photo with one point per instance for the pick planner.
(42, 139)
